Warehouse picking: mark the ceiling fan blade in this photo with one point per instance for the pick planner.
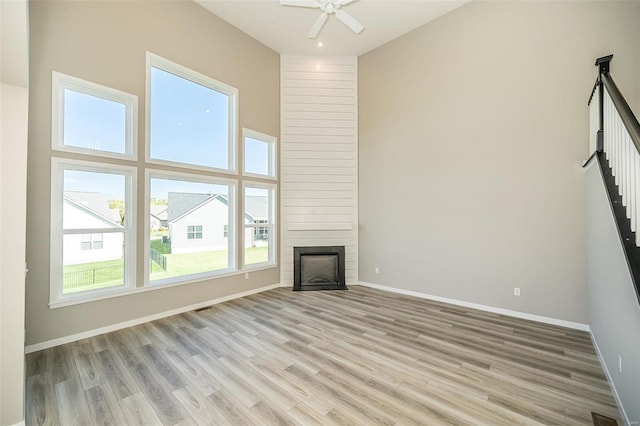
(300, 3)
(317, 26)
(349, 21)
(345, 2)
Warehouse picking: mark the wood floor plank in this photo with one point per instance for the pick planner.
(138, 411)
(356, 357)
(72, 403)
(115, 375)
(195, 375)
(86, 362)
(159, 397)
(41, 408)
(196, 405)
(104, 407)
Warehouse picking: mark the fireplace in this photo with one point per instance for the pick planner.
(318, 268)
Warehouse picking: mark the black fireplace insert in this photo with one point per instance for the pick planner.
(318, 268)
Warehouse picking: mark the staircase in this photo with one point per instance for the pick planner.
(615, 143)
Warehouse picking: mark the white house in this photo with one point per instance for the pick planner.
(256, 211)
(199, 222)
(158, 216)
(90, 210)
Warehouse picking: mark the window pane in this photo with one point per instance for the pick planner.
(190, 238)
(87, 267)
(257, 211)
(256, 250)
(256, 157)
(92, 200)
(94, 123)
(256, 205)
(189, 122)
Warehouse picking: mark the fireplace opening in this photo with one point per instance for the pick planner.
(318, 268)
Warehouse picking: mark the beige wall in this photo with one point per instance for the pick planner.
(473, 129)
(13, 183)
(105, 42)
(14, 98)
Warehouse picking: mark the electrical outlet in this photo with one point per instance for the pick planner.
(246, 275)
(516, 291)
(619, 363)
(377, 270)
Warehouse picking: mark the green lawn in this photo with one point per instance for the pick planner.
(89, 276)
(194, 263)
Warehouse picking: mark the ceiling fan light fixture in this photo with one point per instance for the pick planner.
(327, 7)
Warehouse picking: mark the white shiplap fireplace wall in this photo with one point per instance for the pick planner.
(319, 158)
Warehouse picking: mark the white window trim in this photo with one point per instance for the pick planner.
(273, 162)
(60, 82)
(58, 165)
(233, 201)
(196, 77)
(271, 225)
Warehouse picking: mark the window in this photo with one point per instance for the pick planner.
(92, 119)
(192, 118)
(195, 232)
(259, 154)
(259, 214)
(92, 239)
(91, 242)
(192, 214)
(183, 251)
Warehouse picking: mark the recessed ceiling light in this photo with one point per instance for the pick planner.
(320, 44)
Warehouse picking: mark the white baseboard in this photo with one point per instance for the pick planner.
(95, 332)
(20, 423)
(507, 312)
(623, 413)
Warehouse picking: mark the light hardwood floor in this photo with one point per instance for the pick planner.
(357, 357)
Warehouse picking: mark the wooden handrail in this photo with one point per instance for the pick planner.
(628, 118)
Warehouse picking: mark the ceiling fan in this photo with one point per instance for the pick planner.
(327, 7)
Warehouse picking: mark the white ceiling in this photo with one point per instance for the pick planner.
(284, 29)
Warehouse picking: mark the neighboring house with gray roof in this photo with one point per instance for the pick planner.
(91, 211)
(257, 211)
(197, 222)
(200, 222)
(158, 216)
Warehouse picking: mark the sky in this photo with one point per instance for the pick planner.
(188, 123)
(112, 185)
(91, 122)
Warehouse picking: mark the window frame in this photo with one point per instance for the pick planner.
(232, 243)
(58, 165)
(155, 61)
(271, 226)
(272, 142)
(60, 82)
